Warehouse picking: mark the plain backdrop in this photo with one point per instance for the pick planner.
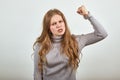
(20, 25)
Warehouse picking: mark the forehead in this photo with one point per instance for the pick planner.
(56, 18)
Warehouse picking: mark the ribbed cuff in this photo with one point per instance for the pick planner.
(88, 16)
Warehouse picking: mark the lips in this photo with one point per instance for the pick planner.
(60, 30)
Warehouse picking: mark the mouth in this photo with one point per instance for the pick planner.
(60, 30)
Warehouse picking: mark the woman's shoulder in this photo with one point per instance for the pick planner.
(77, 36)
(37, 46)
(80, 38)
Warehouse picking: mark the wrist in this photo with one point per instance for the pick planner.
(87, 16)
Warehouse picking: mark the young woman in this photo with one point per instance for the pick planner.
(56, 51)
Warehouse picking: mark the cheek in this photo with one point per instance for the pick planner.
(64, 28)
(52, 29)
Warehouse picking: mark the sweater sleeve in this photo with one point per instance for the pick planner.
(37, 73)
(98, 34)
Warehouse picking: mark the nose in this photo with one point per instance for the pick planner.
(58, 25)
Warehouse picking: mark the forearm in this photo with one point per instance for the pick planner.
(98, 28)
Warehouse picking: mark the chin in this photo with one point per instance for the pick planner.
(62, 34)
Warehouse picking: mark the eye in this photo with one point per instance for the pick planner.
(54, 23)
(60, 21)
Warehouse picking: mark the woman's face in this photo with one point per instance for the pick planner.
(57, 25)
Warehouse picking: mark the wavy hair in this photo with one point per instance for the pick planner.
(69, 45)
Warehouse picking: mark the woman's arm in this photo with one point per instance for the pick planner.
(99, 32)
(37, 74)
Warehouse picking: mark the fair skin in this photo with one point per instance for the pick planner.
(57, 25)
(82, 11)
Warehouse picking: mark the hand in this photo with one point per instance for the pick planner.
(82, 11)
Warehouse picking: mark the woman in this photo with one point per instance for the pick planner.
(56, 51)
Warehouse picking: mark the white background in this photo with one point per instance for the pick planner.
(20, 25)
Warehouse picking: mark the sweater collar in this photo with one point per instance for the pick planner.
(57, 39)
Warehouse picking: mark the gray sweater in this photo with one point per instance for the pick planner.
(57, 68)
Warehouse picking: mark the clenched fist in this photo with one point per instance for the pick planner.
(82, 11)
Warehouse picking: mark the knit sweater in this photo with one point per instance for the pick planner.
(57, 63)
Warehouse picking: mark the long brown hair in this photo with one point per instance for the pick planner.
(69, 45)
